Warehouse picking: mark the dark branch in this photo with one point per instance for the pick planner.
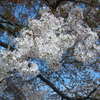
(94, 90)
(54, 4)
(10, 26)
(54, 88)
(5, 45)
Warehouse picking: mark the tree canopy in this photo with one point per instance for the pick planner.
(49, 49)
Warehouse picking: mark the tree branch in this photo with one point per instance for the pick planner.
(54, 4)
(54, 88)
(9, 25)
(5, 45)
(94, 90)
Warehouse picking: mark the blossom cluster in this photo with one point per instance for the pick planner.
(48, 39)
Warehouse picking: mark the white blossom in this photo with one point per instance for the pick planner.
(47, 39)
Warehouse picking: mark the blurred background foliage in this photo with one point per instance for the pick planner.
(18, 12)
